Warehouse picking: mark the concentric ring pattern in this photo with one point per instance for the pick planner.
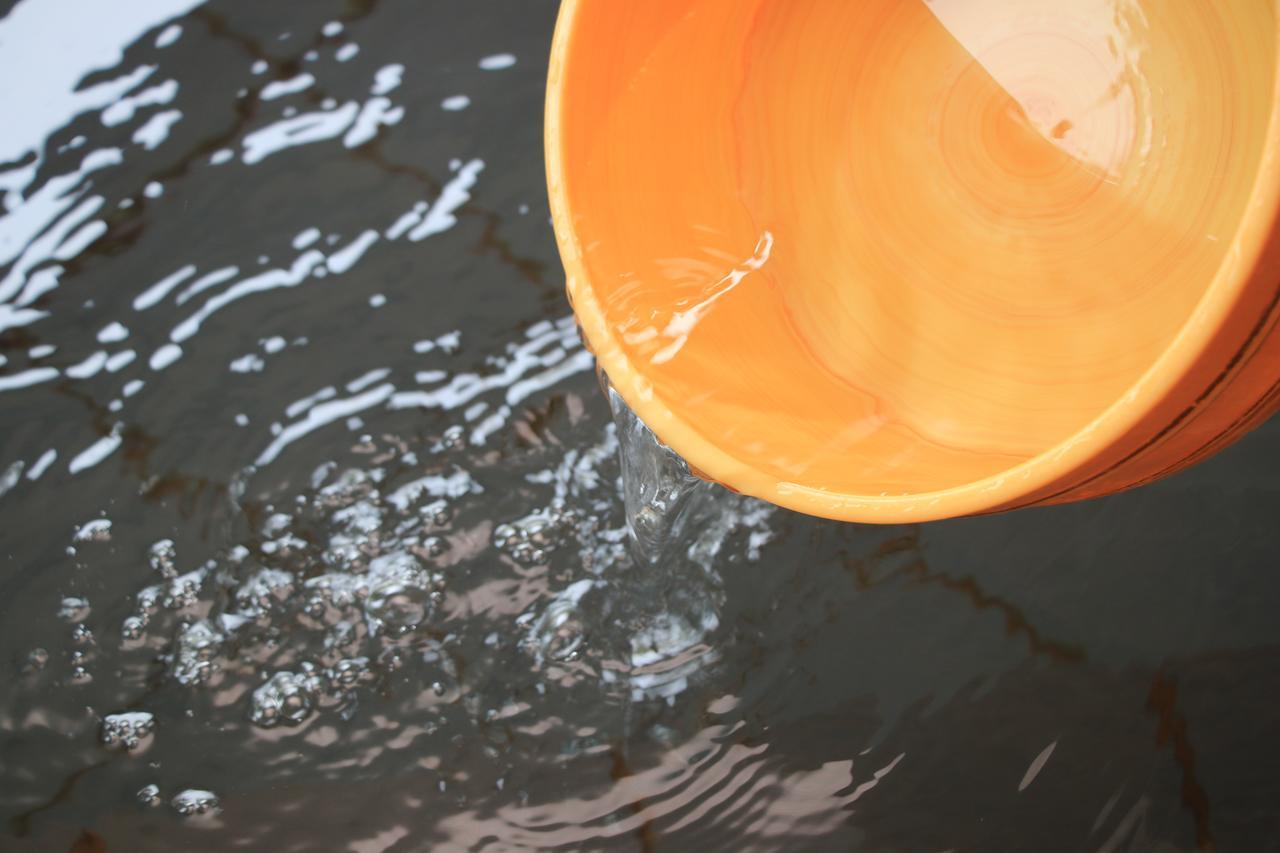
(887, 260)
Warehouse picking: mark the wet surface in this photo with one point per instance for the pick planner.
(313, 537)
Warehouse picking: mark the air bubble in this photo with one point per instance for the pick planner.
(399, 597)
(436, 513)
(37, 658)
(340, 635)
(126, 730)
(163, 556)
(453, 438)
(559, 634)
(264, 592)
(192, 802)
(192, 660)
(275, 524)
(98, 530)
(132, 627)
(286, 699)
(148, 599)
(184, 590)
(73, 609)
(530, 539)
(348, 672)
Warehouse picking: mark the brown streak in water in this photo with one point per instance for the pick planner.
(619, 770)
(136, 447)
(918, 571)
(1162, 700)
(20, 824)
(89, 842)
(530, 269)
(18, 338)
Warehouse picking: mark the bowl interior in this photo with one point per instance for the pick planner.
(895, 246)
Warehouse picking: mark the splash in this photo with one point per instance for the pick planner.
(658, 489)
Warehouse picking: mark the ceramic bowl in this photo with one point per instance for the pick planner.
(900, 260)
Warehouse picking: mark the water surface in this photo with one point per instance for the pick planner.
(313, 536)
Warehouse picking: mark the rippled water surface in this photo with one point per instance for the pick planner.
(313, 537)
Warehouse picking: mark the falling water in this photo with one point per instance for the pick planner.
(658, 489)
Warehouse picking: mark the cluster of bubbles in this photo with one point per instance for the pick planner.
(342, 582)
(287, 698)
(193, 801)
(193, 658)
(73, 610)
(126, 730)
(530, 539)
(190, 802)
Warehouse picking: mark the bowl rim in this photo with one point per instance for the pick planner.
(1005, 490)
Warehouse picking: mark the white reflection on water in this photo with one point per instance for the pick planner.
(33, 229)
(56, 224)
(96, 452)
(300, 130)
(90, 35)
(125, 108)
(53, 224)
(379, 562)
(157, 128)
(280, 88)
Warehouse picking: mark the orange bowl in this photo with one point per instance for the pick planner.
(898, 260)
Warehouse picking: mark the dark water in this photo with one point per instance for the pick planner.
(365, 584)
